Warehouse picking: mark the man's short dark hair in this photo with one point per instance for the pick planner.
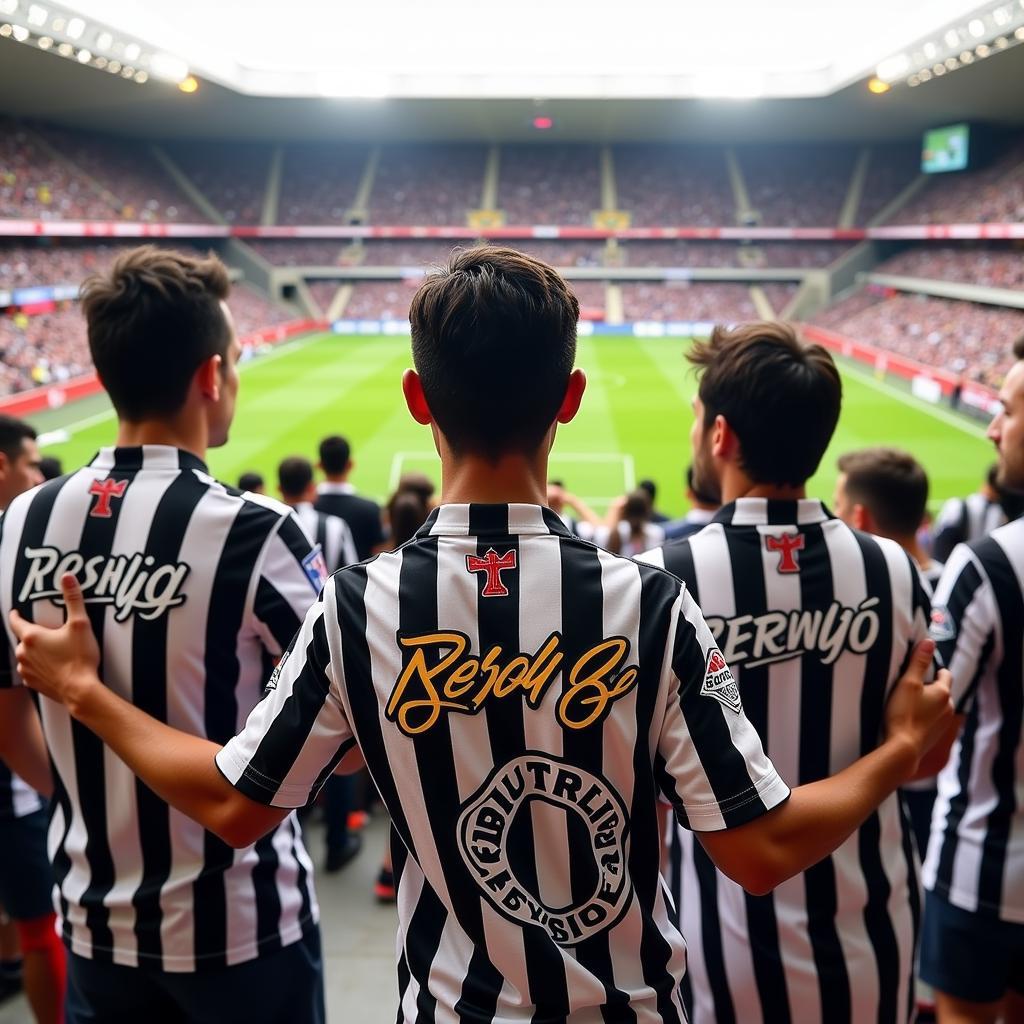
(1018, 348)
(494, 341)
(335, 454)
(154, 318)
(13, 435)
(251, 481)
(294, 475)
(891, 484)
(780, 397)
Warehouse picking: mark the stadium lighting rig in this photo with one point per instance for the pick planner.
(55, 29)
(985, 32)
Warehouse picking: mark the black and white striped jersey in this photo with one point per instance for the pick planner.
(190, 588)
(976, 851)
(521, 698)
(330, 532)
(817, 622)
(964, 520)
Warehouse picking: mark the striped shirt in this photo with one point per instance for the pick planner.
(330, 532)
(976, 852)
(17, 798)
(963, 520)
(521, 698)
(190, 588)
(817, 621)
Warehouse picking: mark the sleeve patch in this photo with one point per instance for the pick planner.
(941, 627)
(719, 683)
(315, 568)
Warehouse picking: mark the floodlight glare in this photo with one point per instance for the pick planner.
(104, 40)
(84, 56)
(931, 51)
(167, 67)
(5, 31)
(132, 51)
(8, 6)
(893, 67)
(976, 27)
(44, 42)
(189, 84)
(20, 33)
(141, 77)
(75, 28)
(37, 15)
(952, 37)
(878, 87)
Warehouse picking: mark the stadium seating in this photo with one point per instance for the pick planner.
(797, 185)
(380, 300)
(680, 253)
(687, 301)
(992, 266)
(779, 294)
(319, 183)
(963, 337)
(306, 252)
(891, 168)
(37, 350)
(994, 193)
(323, 293)
(232, 176)
(549, 184)
(427, 184)
(674, 185)
(135, 184)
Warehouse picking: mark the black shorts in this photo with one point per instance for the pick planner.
(26, 877)
(971, 956)
(286, 985)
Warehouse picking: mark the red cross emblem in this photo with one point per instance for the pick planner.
(493, 564)
(104, 491)
(787, 545)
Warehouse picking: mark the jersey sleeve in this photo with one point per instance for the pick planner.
(8, 672)
(294, 737)
(290, 575)
(346, 545)
(950, 528)
(963, 623)
(711, 764)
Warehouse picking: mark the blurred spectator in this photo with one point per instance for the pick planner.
(398, 252)
(703, 506)
(550, 184)
(628, 529)
(51, 468)
(779, 294)
(687, 253)
(381, 300)
(965, 520)
(674, 185)
(337, 497)
(319, 183)
(298, 252)
(253, 311)
(323, 293)
(652, 492)
(563, 502)
(253, 482)
(435, 185)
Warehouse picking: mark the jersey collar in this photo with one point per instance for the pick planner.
(477, 520)
(147, 457)
(770, 512)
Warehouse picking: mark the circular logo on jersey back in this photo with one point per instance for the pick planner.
(547, 843)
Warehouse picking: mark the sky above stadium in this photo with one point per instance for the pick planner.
(531, 48)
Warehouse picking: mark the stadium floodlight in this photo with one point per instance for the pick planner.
(732, 84)
(132, 51)
(931, 51)
(8, 6)
(20, 33)
(84, 56)
(44, 42)
(76, 26)
(166, 66)
(976, 27)
(347, 85)
(952, 37)
(37, 15)
(104, 41)
(893, 67)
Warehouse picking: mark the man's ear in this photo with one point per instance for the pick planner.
(573, 396)
(208, 378)
(5, 465)
(862, 519)
(724, 442)
(416, 401)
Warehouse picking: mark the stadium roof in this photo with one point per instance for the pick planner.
(37, 84)
(558, 49)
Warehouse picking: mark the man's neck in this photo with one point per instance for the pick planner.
(336, 478)
(295, 502)
(513, 479)
(914, 549)
(740, 487)
(190, 438)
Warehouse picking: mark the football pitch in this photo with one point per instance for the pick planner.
(634, 422)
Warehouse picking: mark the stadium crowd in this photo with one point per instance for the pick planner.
(558, 184)
(691, 301)
(746, 472)
(992, 266)
(319, 183)
(426, 184)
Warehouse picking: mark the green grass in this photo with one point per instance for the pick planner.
(637, 404)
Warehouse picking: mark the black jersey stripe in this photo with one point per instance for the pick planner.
(149, 693)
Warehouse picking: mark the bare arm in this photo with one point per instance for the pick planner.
(22, 746)
(179, 768)
(820, 816)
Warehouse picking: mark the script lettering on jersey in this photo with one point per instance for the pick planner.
(132, 584)
(755, 640)
(441, 675)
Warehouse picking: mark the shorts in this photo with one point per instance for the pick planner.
(286, 985)
(26, 877)
(970, 956)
